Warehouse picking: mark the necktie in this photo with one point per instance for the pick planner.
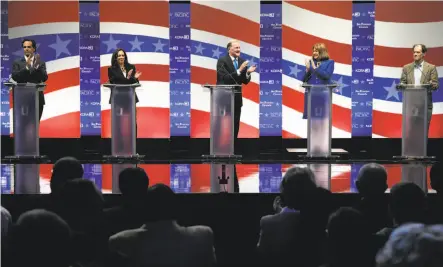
(235, 64)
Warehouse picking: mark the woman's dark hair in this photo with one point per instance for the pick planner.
(114, 62)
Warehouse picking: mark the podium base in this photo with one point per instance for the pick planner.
(41, 159)
(415, 158)
(123, 158)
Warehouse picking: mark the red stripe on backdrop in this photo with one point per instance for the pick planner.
(148, 13)
(302, 43)
(398, 57)
(341, 183)
(62, 79)
(341, 117)
(390, 125)
(46, 171)
(341, 10)
(203, 76)
(150, 72)
(22, 13)
(58, 81)
(394, 174)
(200, 178)
(223, 23)
(151, 123)
(409, 11)
(288, 135)
(63, 126)
(200, 126)
(157, 173)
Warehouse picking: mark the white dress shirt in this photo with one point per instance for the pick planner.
(418, 72)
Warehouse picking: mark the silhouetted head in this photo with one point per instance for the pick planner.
(40, 238)
(81, 204)
(372, 180)
(162, 203)
(65, 169)
(408, 202)
(413, 245)
(296, 187)
(133, 183)
(436, 177)
(348, 234)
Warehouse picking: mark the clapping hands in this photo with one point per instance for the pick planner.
(137, 74)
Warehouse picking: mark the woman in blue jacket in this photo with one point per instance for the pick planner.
(319, 70)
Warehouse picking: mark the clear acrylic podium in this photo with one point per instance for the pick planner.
(26, 124)
(414, 131)
(123, 127)
(222, 137)
(319, 136)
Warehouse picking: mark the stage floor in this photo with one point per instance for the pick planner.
(195, 177)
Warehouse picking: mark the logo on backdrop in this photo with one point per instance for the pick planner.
(5, 70)
(180, 77)
(270, 176)
(90, 119)
(270, 70)
(362, 66)
(181, 178)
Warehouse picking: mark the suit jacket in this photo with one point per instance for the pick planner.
(278, 231)
(322, 74)
(22, 75)
(227, 75)
(115, 76)
(165, 243)
(429, 75)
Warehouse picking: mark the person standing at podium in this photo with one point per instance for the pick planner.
(421, 72)
(234, 70)
(319, 70)
(122, 72)
(30, 69)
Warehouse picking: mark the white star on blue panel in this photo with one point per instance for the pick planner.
(60, 47)
(392, 91)
(216, 52)
(294, 70)
(111, 44)
(136, 44)
(200, 49)
(159, 46)
(341, 85)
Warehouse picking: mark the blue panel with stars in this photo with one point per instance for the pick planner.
(180, 63)
(90, 110)
(132, 43)
(270, 70)
(363, 21)
(5, 70)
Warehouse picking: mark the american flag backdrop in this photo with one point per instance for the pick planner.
(57, 38)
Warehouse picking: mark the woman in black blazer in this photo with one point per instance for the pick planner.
(121, 72)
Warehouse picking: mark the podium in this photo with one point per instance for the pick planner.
(222, 106)
(319, 132)
(123, 127)
(414, 131)
(26, 124)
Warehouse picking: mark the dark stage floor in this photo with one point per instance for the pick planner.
(178, 162)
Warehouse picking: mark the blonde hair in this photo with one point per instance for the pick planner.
(322, 51)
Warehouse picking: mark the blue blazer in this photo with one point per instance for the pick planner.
(321, 75)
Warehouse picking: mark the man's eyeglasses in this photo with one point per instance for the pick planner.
(27, 46)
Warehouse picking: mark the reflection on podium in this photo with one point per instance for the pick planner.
(320, 130)
(415, 132)
(222, 137)
(26, 126)
(123, 127)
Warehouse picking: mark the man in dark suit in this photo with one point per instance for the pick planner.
(30, 69)
(234, 70)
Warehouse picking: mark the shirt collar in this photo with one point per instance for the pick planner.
(232, 58)
(288, 210)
